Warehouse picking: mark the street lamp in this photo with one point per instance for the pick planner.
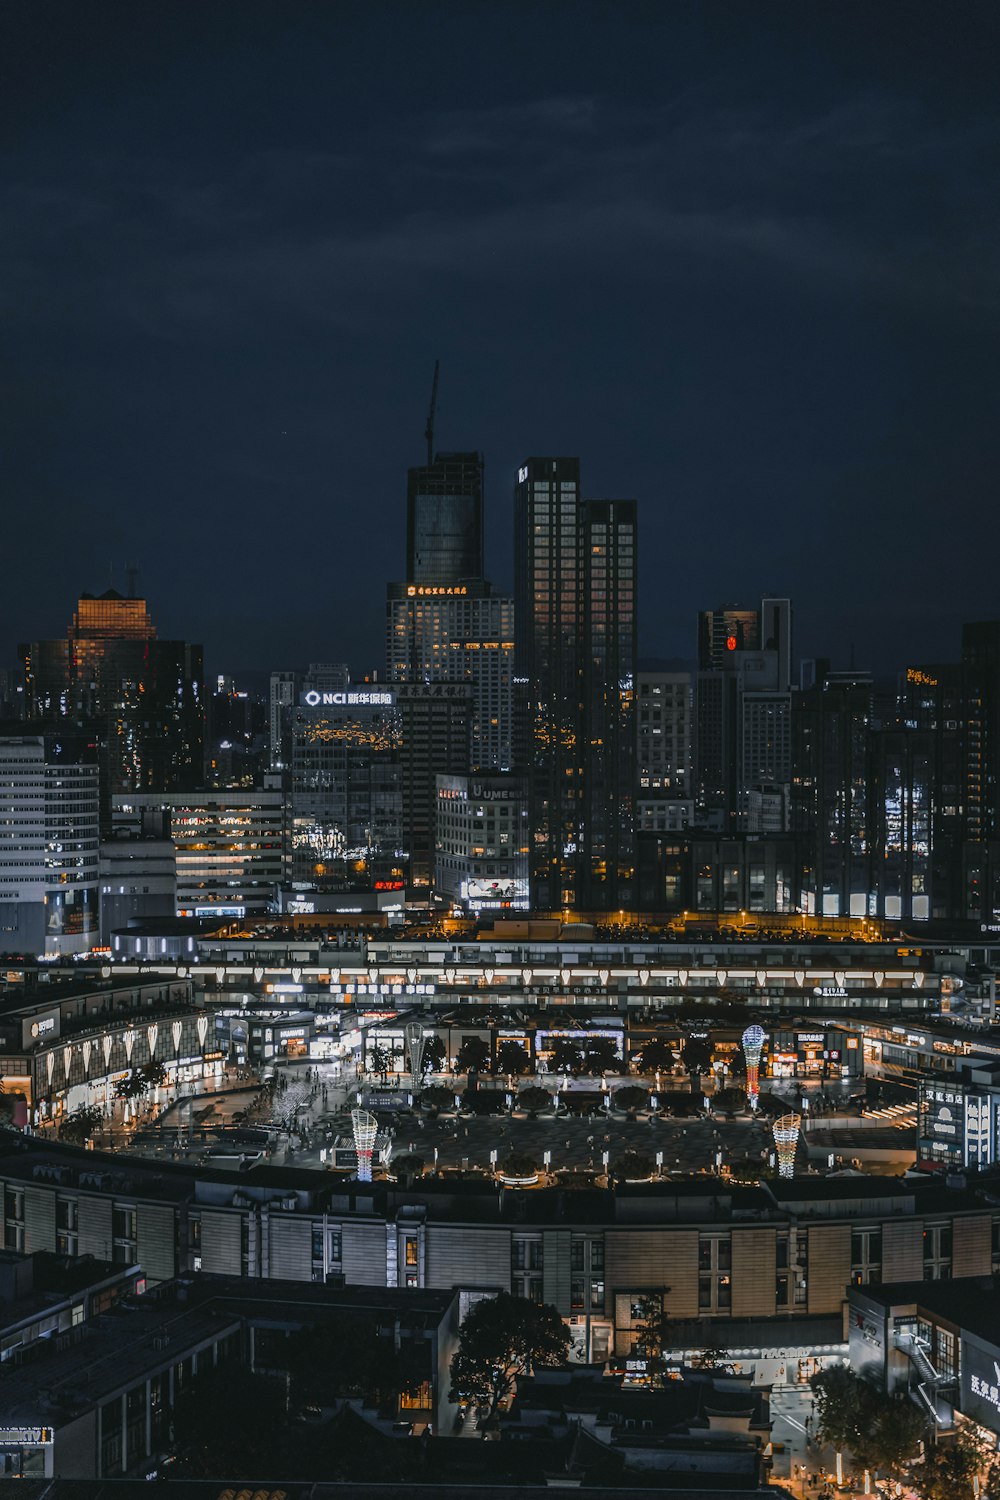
(659, 1163)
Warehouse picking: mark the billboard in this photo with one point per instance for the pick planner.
(504, 891)
(70, 913)
(980, 1385)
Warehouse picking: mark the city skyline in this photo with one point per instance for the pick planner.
(737, 271)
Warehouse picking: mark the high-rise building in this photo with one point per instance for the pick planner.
(575, 615)
(49, 844)
(610, 652)
(143, 696)
(461, 634)
(743, 711)
(829, 794)
(435, 723)
(981, 671)
(347, 787)
(444, 520)
(282, 697)
(664, 723)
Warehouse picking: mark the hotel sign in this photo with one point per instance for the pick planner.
(434, 590)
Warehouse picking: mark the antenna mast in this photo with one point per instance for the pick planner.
(429, 430)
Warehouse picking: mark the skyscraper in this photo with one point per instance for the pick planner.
(460, 634)
(829, 794)
(444, 520)
(142, 696)
(609, 575)
(575, 613)
(743, 709)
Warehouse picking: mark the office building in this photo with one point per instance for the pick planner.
(237, 749)
(743, 739)
(575, 613)
(481, 856)
(346, 786)
(829, 793)
(435, 720)
(444, 520)
(981, 671)
(231, 847)
(608, 537)
(49, 842)
(460, 634)
(282, 696)
(144, 697)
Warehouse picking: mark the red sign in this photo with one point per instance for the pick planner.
(389, 885)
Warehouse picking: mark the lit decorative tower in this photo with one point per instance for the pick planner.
(364, 1126)
(786, 1139)
(413, 1037)
(753, 1044)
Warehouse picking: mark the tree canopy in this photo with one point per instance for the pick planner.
(881, 1431)
(512, 1058)
(503, 1337)
(474, 1053)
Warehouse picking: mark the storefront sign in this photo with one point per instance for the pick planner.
(980, 1386)
(27, 1437)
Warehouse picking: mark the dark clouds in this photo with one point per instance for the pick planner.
(747, 268)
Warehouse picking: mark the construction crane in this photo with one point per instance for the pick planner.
(429, 430)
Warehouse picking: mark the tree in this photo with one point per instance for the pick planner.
(407, 1166)
(633, 1166)
(153, 1075)
(131, 1086)
(882, 1432)
(434, 1055)
(657, 1055)
(730, 1101)
(566, 1056)
(630, 1098)
(696, 1056)
(651, 1323)
(379, 1060)
(81, 1124)
(600, 1055)
(503, 1337)
(534, 1098)
(436, 1096)
(947, 1471)
(519, 1164)
(474, 1054)
(512, 1058)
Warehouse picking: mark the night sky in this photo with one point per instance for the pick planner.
(742, 259)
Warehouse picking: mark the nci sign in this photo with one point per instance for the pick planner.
(349, 698)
